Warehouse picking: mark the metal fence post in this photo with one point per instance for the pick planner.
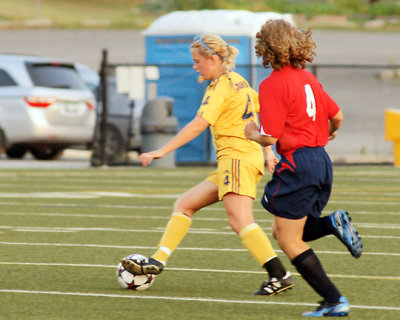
(103, 121)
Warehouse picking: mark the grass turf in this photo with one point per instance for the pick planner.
(62, 233)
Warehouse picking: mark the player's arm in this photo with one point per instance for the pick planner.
(186, 134)
(334, 125)
(251, 132)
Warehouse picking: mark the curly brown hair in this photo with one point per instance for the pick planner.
(280, 44)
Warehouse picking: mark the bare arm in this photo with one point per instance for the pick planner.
(251, 132)
(334, 125)
(186, 134)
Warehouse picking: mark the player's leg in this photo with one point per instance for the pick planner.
(238, 190)
(289, 234)
(239, 209)
(338, 223)
(299, 197)
(201, 195)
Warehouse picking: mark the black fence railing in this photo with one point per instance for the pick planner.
(316, 67)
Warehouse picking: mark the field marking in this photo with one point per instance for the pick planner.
(179, 248)
(77, 229)
(192, 230)
(85, 265)
(82, 215)
(133, 216)
(100, 194)
(104, 295)
(82, 195)
(160, 207)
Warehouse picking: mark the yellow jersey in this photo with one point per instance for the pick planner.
(228, 109)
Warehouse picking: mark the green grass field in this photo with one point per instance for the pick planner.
(62, 233)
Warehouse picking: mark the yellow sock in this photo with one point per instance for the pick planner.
(176, 230)
(257, 242)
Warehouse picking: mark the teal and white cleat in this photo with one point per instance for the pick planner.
(346, 232)
(340, 309)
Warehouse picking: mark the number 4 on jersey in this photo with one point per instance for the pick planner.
(248, 113)
(311, 107)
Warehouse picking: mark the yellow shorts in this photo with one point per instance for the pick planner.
(237, 176)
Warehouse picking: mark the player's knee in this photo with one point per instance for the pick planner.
(235, 226)
(181, 206)
(274, 235)
(274, 231)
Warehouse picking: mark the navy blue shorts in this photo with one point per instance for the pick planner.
(301, 188)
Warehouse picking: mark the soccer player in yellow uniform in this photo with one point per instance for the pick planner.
(229, 103)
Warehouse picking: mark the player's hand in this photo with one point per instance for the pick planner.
(147, 157)
(251, 131)
(332, 135)
(271, 163)
(270, 159)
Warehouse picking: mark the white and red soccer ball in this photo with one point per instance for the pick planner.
(132, 281)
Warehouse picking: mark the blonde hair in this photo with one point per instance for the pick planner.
(280, 44)
(210, 44)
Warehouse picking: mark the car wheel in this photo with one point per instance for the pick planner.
(16, 152)
(47, 153)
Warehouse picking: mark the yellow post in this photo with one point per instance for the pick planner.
(392, 132)
(396, 144)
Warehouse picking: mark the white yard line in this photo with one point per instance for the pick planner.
(179, 248)
(160, 207)
(158, 230)
(170, 298)
(99, 194)
(80, 265)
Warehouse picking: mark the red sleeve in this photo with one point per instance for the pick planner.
(273, 110)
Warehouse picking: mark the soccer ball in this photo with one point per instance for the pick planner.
(133, 281)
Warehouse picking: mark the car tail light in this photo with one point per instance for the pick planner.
(40, 102)
(91, 105)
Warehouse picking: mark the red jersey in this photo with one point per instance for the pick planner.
(295, 109)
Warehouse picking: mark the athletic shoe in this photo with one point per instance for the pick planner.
(339, 309)
(274, 285)
(346, 232)
(151, 266)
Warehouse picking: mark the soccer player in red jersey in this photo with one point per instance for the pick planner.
(299, 117)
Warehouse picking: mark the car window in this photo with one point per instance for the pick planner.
(55, 75)
(6, 80)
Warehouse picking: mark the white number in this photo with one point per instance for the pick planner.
(311, 107)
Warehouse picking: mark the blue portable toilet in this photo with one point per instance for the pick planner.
(168, 41)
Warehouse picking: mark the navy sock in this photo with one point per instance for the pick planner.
(308, 265)
(316, 228)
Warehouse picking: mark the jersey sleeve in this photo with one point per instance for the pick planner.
(273, 110)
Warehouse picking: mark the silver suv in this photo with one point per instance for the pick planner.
(45, 107)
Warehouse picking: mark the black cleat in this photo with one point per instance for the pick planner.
(142, 266)
(274, 286)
